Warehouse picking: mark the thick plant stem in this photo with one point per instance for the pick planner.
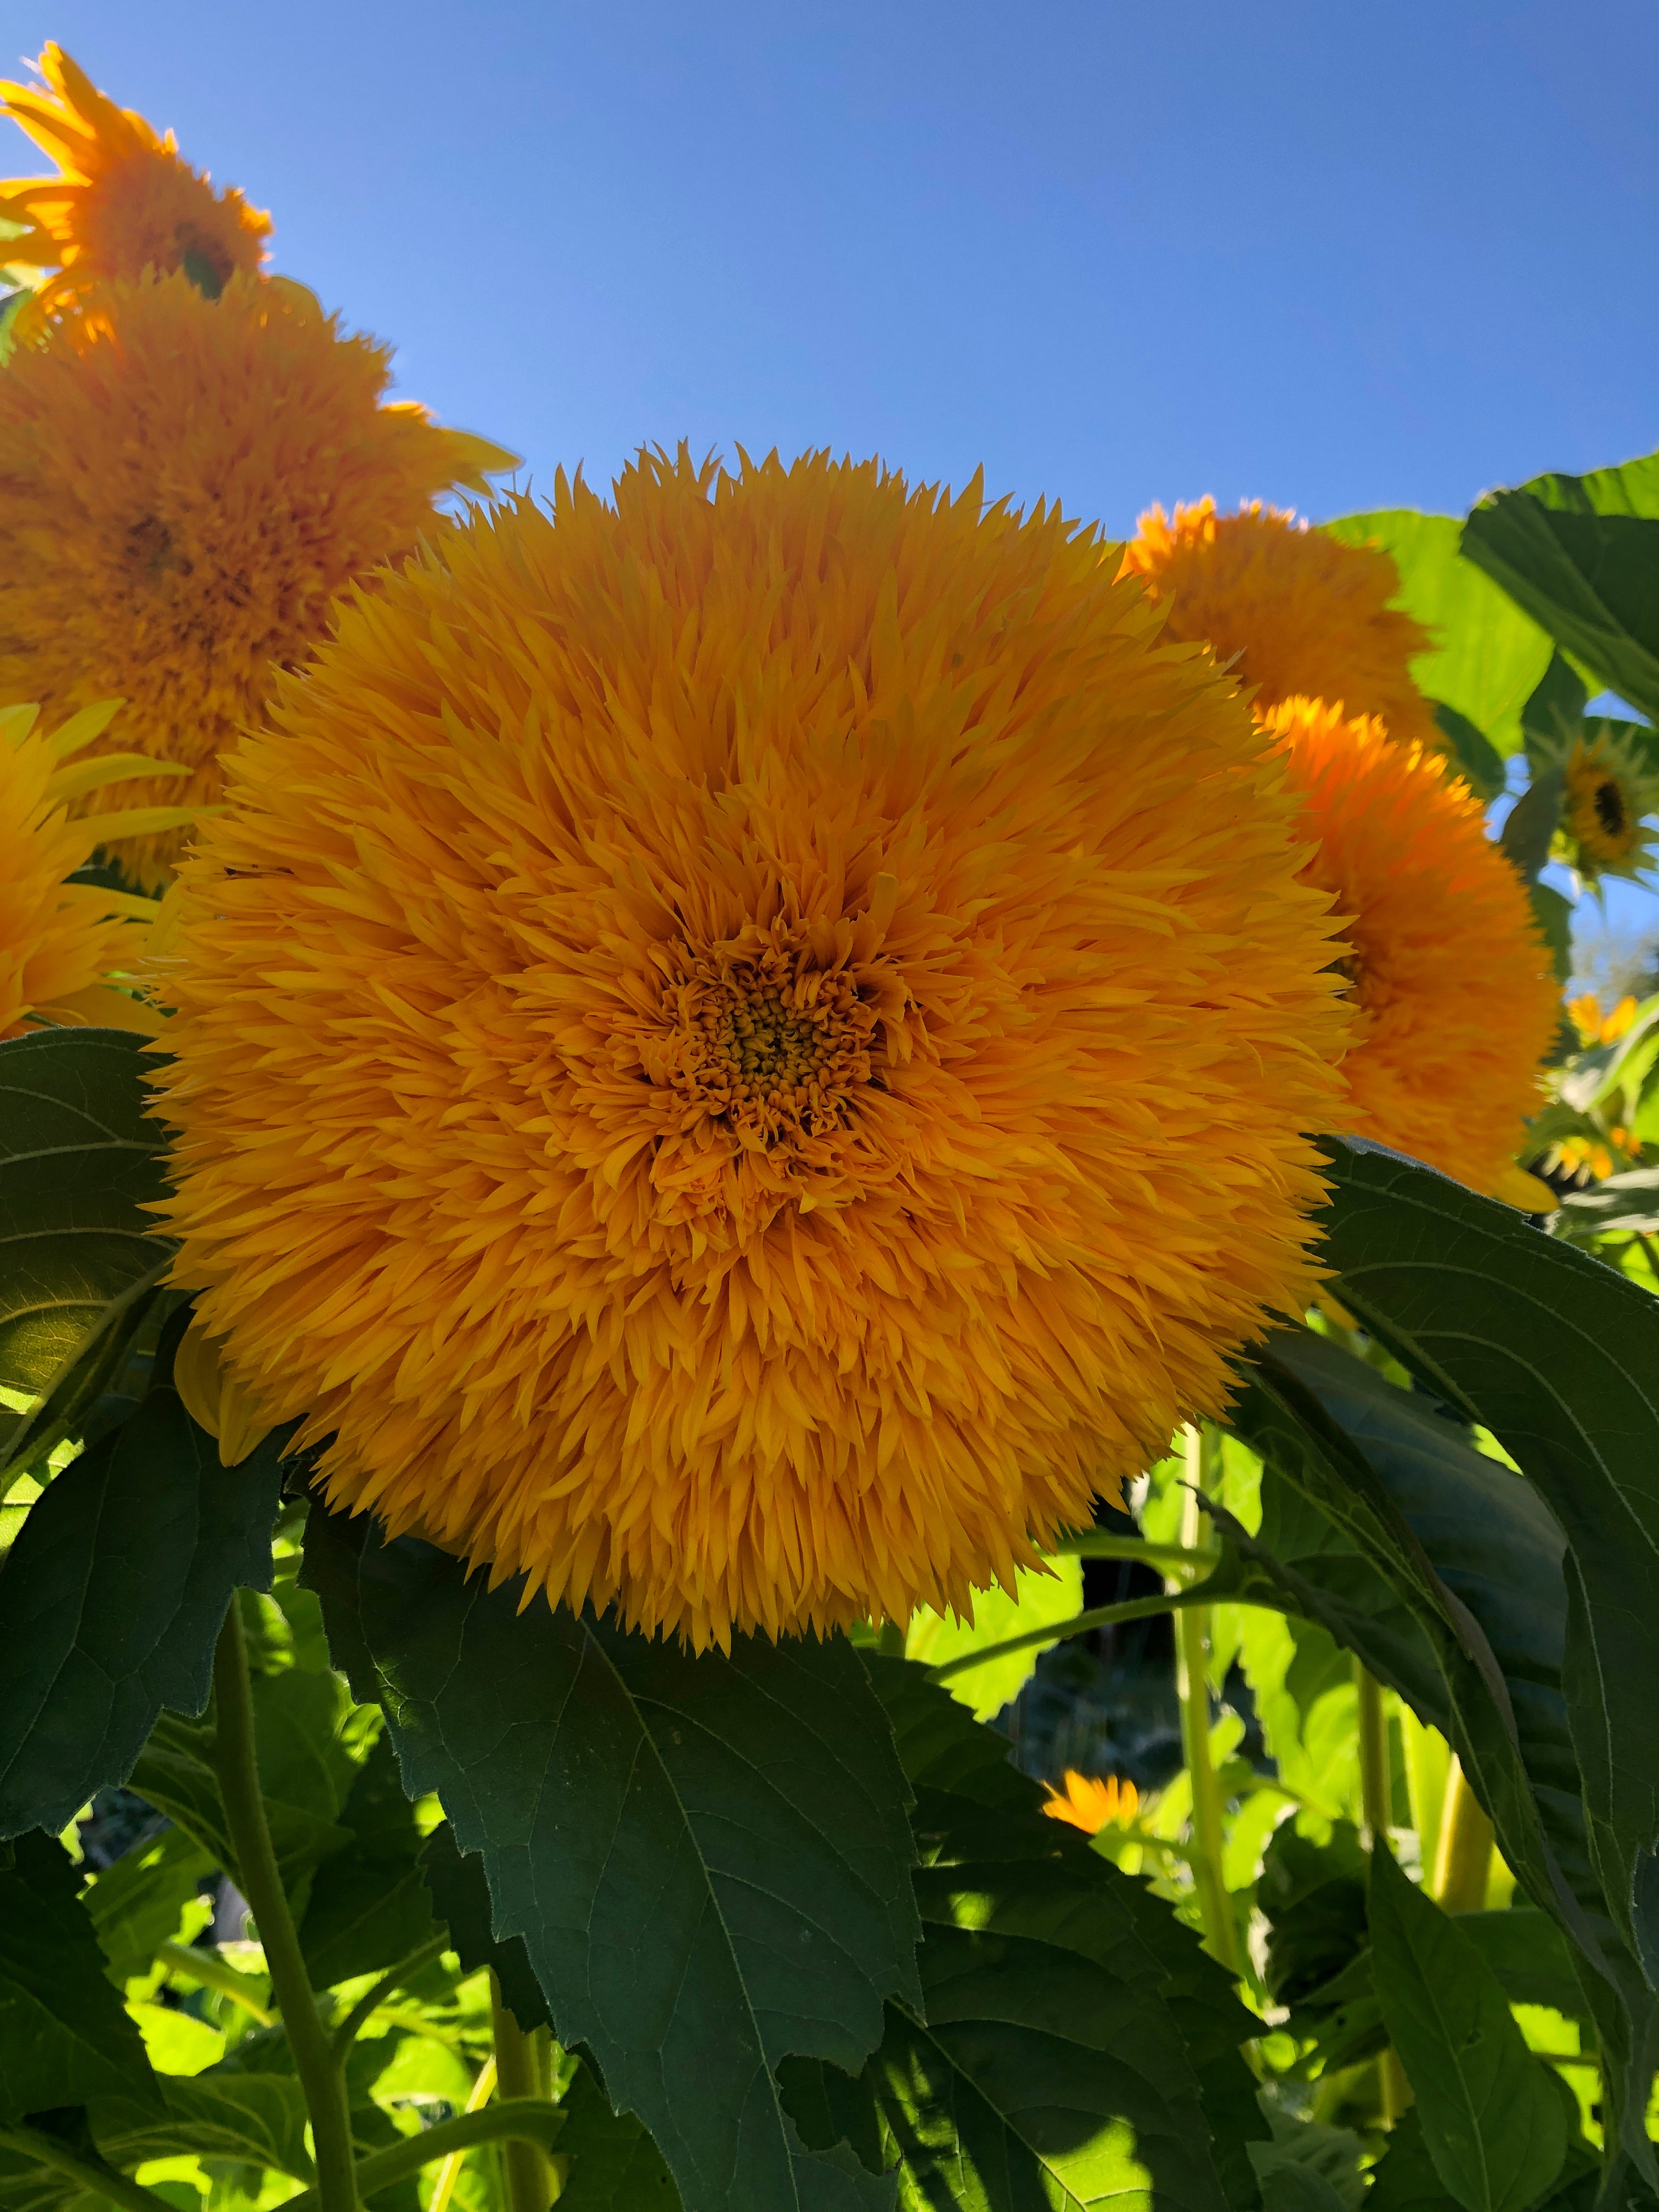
(1463, 1862)
(1192, 1688)
(236, 1761)
(529, 2121)
(1374, 1792)
(519, 2074)
(443, 2182)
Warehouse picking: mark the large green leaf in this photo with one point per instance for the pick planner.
(255, 2120)
(1487, 656)
(1590, 579)
(459, 1890)
(64, 2034)
(137, 1904)
(80, 1159)
(706, 1858)
(1494, 2124)
(614, 2165)
(368, 1906)
(114, 1594)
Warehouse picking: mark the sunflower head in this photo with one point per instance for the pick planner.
(122, 202)
(789, 1067)
(1610, 791)
(184, 486)
(1085, 1801)
(1454, 997)
(59, 940)
(1290, 610)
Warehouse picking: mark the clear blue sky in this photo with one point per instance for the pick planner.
(1339, 256)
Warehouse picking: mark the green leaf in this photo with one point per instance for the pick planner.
(1630, 488)
(614, 2165)
(1532, 822)
(748, 1810)
(368, 1906)
(1553, 914)
(1554, 715)
(256, 2120)
(1590, 580)
(1480, 763)
(1405, 2180)
(114, 1594)
(1555, 1354)
(1039, 1598)
(1487, 656)
(1494, 2127)
(1329, 2156)
(460, 1892)
(80, 1159)
(1624, 1204)
(137, 1904)
(1300, 2189)
(1313, 1897)
(64, 2034)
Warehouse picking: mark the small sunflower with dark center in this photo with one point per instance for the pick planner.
(788, 1067)
(123, 201)
(61, 941)
(184, 486)
(1292, 611)
(1609, 792)
(1456, 997)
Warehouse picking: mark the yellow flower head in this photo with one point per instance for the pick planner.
(782, 1068)
(122, 202)
(1293, 610)
(1456, 1000)
(59, 939)
(1091, 1804)
(185, 485)
(1594, 1027)
(1609, 791)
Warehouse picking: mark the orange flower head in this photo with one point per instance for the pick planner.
(1091, 1804)
(60, 941)
(1456, 1000)
(122, 204)
(1594, 1027)
(185, 485)
(786, 1065)
(1291, 609)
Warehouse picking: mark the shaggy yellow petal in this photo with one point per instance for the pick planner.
(1456, 997)
(745, 1052)
(186, 485)
(1290, 610)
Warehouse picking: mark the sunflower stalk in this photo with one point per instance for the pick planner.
(521, 2074)
(1464, 1861)
(1376, 1800)
(236, 1762)
(1192, 1688)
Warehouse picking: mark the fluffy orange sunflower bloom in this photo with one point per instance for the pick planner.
(123, 202)
(1292, 611)
(1091, 1804)
(59, 940)
(1456, 1000)
(184, 486)
(785, 1068)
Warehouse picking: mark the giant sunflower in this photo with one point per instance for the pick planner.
(1292, 610)
(59, 941)
(184, 486)
(1456, 1002)
(123, 200)
(784, 1064)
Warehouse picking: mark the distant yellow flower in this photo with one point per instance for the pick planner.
(745, 1053)
(59, 940)
(1092, 1805)
(1292, 611)
(121, 204)
(1610, 789)
(1594, 1027)
(1456, 997)
(1599, 1156)
(184, 486)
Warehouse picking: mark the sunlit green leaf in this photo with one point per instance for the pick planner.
(1039, 1597)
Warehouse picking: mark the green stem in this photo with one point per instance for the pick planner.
(1166, 1558)
(1192, 1689)
(1374, 1794)
(1100, 1616)
(530, 2120)
(89, 2173)
(518, 2075)
(890, 1640)
(236, 1761)
(394, 1978)
(1463, 1863)
(212, 1971)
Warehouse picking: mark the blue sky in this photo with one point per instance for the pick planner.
(1338, 257)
